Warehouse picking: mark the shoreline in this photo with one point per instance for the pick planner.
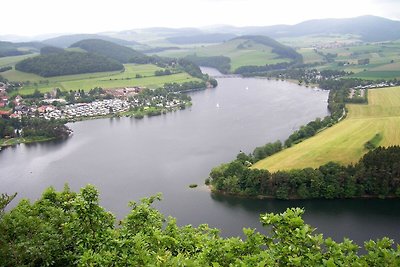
(262, 197)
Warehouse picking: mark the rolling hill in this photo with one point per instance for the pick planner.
(369, 28)
(8, 49)
(201, 38)
(65, 41)
(66, 63)
(242, 51)
(112, 50)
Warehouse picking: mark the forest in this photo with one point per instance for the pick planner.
(377, 174)
(72, 229)
(32, 127)
(108, 49)
(66, 63)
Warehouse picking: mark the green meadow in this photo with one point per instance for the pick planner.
(344, 142)
(242, 52)
(105, 80)
(11, 61)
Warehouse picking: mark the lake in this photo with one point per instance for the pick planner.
(127, 159)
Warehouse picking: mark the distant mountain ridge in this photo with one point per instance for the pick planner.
(369, 28)
(201, 38)
(65, 41)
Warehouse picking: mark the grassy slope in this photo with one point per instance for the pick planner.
(100, 79)
(344, 142)
(11, 61)
(252, 54)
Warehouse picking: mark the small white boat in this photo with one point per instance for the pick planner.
(247, 88)
(217, 105)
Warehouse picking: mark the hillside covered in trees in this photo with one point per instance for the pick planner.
(115, 51)
(72, 229)
(66, 63)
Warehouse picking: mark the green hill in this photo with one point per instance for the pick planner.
(250, 50)
(66, 63)
(8, 49)
(117, 52)
(65, 41)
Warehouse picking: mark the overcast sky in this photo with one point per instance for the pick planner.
(35, 17)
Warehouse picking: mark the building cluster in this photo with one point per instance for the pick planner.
(93, 109)
(3, 95)
(62, 110)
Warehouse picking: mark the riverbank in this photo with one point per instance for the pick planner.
(23, 140)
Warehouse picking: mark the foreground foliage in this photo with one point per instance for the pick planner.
(71, 229)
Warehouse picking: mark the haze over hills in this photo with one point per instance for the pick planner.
(65, 41)
(369, 28)
(15, 49)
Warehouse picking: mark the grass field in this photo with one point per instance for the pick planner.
(99, 79)
(250, 53)
(11, 61)
(309, 55)
(344, 142)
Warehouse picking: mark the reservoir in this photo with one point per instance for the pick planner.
(127, 159)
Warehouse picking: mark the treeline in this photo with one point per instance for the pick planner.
(261, 70)
(221, 63)
(185, 87)
(66, 63)
(377, 174)
(72, 229)
(33, 127)
(3, 69)
(162, 72)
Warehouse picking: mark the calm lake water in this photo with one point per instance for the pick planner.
(127, 159)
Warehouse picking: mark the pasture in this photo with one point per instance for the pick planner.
(100, 79)
(344, 142)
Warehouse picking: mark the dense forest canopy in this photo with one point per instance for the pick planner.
(66, 63)
(72, 229)
(115, 51)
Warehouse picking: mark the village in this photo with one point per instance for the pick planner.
(118, 101)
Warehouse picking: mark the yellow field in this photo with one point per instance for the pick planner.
(344, 142)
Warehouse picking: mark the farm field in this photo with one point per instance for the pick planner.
(384, 60)
(344, 142)
(100, 79)
(242, 52)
